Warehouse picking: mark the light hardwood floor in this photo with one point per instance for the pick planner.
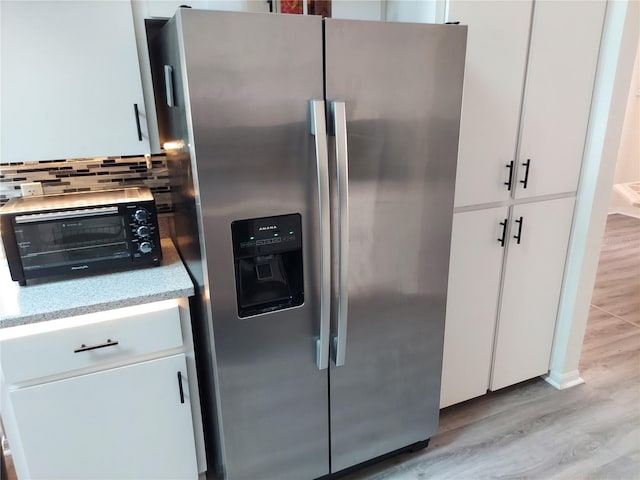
(533, 431)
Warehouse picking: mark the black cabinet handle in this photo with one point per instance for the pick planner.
(84, 348)
(510, 182)
(180, 387)
(504, 232)
(527, 165)
(137, 114)
(519, 222)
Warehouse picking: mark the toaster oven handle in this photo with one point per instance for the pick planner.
(88, 212)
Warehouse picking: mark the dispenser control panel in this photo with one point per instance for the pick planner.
(261, 236)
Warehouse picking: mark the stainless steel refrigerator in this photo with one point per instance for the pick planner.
(312, 164)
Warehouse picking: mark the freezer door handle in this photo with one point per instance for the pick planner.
(338, 110)
(319, 131)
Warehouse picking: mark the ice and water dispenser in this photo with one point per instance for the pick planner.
(268, 263)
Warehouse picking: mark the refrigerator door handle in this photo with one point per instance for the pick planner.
(319, 131)
(338, 110)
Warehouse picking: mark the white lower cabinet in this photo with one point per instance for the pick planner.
(472, 303)
(121, 423)
(107, 395)
(503, 300)
(531, 290)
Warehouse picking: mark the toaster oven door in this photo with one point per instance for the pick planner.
(70, 239)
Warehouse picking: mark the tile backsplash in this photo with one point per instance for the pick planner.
(79, 175)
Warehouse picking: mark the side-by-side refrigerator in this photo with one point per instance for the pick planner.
(312, 164)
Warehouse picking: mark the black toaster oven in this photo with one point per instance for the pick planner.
(80, 232)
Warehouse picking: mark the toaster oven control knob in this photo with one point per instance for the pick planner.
(141, 215)
(145, 247)
(143, 231)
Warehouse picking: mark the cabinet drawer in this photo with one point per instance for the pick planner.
(89, 340)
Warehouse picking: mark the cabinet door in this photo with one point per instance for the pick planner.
(560, 80)
(472, 303)
(531, 290)
(70, 80)
(123, 423)
(497, 43)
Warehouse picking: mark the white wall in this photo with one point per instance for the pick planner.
(358, 9)
(239, 5)
(615, 67)
(414, 11)
(628, 163)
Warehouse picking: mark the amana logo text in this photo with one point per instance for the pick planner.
(268, 227)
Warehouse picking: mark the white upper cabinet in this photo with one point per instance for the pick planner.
(70, 81)
(560, 78)
(497, 43)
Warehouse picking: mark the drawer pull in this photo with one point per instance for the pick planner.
(84, 348)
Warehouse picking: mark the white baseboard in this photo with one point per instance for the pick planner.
(625, 199)
(628, 211)
(562, 381)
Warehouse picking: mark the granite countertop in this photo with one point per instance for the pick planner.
(52, 298)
